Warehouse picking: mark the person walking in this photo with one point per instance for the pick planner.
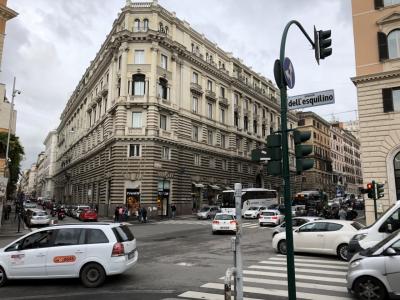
(116, 214)
(120, 214)
(144, 214)
(342, 213)
(173, 211)
(139, 214)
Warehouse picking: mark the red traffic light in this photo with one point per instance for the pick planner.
(369, 186)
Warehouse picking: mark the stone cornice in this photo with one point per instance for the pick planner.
(7, 13)
(376, 76)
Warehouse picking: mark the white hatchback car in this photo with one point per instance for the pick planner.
(271, 217)
(253, 212)
(325, 237)
(89, 252)
(224, 223)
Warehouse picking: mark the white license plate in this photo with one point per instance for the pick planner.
(224, 227)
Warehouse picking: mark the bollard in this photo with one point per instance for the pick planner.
(227, 283)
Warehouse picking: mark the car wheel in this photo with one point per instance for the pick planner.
(3, 277)
(282, 247)
(342, 251)
(368, 288)
(92, 275)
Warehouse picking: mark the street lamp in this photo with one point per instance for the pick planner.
(14, 92)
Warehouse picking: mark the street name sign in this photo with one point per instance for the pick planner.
(311, 100)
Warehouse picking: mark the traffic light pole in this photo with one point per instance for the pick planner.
(285, 165)
(374, 186)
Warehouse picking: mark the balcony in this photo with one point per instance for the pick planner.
(135, 131)
(196, 88)
(223, 101)
(211, 95)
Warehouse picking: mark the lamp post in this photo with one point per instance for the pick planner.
(14, 92)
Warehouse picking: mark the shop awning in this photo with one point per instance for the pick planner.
(215, 187)
(198, 185)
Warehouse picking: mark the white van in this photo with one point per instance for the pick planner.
(376, 232)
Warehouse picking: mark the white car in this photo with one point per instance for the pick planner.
(296, 223)
(325, 237)
(253, 212)
(89, 252)
(36, 216)
(271, 217)
(224, 223)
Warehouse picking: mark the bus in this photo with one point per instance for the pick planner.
(310, 201)
(250, 197)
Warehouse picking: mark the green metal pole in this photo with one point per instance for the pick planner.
(285, 166)
(375, 198)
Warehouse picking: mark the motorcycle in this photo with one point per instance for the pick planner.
(61, 215)
(54, 212)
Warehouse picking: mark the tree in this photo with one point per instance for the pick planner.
(15, 155)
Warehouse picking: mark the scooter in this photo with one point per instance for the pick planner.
(61, 215)
(53, 212)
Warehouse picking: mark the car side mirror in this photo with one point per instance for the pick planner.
(390, 252)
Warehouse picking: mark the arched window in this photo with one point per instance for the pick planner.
(145, 24)
(136, 26)
(166, 29)
(161, 27)
(394, 43)
(396, 163)
(163, 88)
(138, 85)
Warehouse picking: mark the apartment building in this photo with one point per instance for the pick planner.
(376, 26)
(162, 115)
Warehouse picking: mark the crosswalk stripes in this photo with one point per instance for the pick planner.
(316, 278)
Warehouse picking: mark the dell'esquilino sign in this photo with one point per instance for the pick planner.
(311, 100)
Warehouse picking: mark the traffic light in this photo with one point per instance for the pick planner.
(302, 163)
(322, 43)
(274, 152)
(371, 190)
(379, 190)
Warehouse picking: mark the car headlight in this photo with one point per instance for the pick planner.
(359, 237)
(355, 263)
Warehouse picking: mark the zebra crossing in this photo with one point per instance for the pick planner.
(205, 223)
(316, 278)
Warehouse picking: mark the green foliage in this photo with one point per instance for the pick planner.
(16, 153)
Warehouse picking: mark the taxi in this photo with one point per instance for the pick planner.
(89, 252)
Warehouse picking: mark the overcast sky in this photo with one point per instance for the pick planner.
(49, 45)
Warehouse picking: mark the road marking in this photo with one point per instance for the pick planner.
(305, 259)
(298, 276)
(300, 264)
(274, 292)
(302, 270)
(207, 296)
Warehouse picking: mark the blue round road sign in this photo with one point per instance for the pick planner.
(288, 72)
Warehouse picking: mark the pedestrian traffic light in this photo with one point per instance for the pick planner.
(322, 43)
(371, 190)
(379, 190)
(274, 153)
(302, 163)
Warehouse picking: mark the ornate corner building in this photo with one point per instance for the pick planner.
(162, 115)
(376, 27)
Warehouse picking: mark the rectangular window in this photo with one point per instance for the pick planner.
(222, 115)
(209, 85)
(164, 61)
(209, 110)
(223, 141)
(195, 105)
(197, 159)
(119, 62)
(137, 120)
(224, 165)
(134, 150)
(222, 92)
(139, 56)
(239, 167)
(236, 99)
(163, 122)
(255, 108)
(195, 77)
(165, 153)
(210, 137)
(195, 133)
(391, 99)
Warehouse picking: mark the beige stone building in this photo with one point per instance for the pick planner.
(377, 28)
(162, 115)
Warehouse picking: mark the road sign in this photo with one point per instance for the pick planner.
(3, 186)
(311, 100)
(288, 71)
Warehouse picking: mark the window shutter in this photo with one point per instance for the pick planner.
(382, 46)
(387, 97)
(378, 4)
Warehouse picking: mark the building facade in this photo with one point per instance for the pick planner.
(49, 164)
(376, 27)
(162, 115)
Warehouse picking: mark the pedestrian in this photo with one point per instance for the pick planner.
(116, 214)
(342, 213)
(125, 214)
(120, 213)
(173, 211)
(139, 214)
(144, 215)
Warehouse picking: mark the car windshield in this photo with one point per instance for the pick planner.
(40, 213)
(253, 208)
(268, 213)
(380, 244)
(205, 209)
(223, 217)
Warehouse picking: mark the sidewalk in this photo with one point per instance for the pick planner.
(151, 219)
(9, 228)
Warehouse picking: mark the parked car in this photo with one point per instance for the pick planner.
(296, 223)
(88, 215)
(89, 252)
(78, 209)
(374, 273)
(207, 212)
(36, 216)
(325, 237)
(253, 212)
(224, 223)
(270, 217)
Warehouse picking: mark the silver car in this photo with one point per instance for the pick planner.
(374, 273)
(208, 212)
(296, 222)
